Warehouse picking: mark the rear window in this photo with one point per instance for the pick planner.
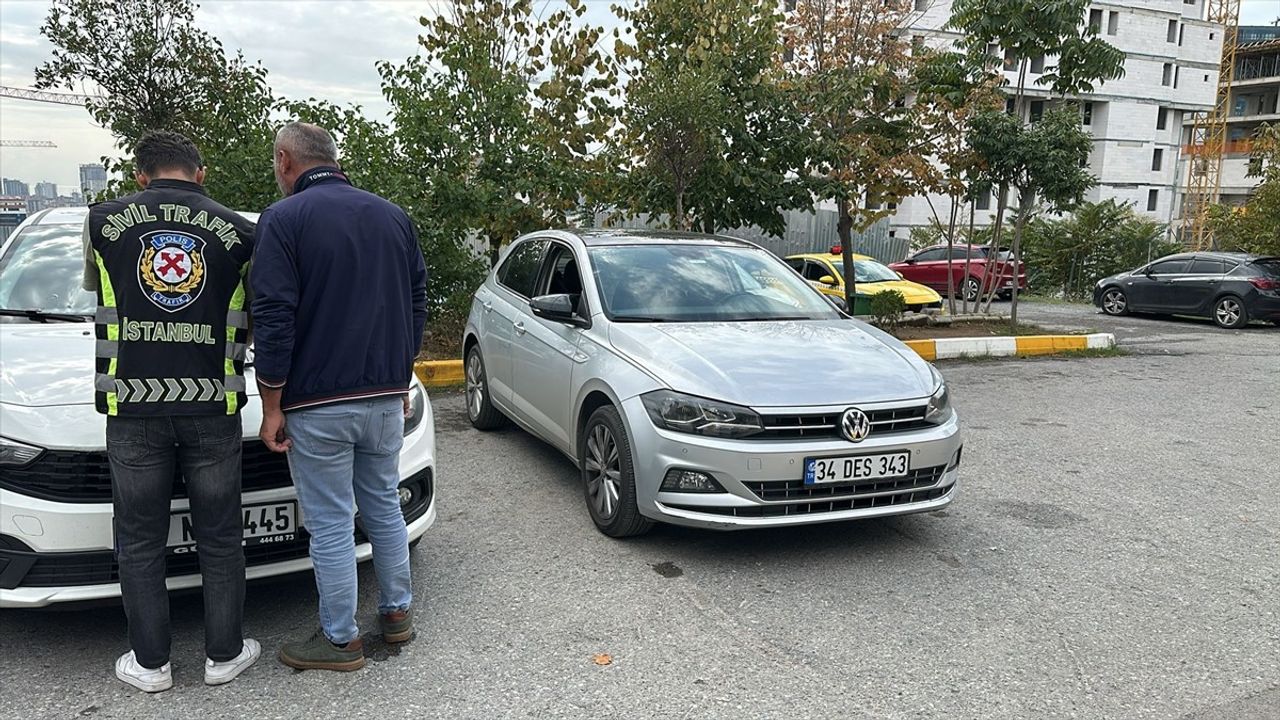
(1270, 266)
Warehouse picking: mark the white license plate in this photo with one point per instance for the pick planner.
(823, 471)
(264, 523)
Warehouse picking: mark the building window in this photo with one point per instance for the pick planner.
(1008, 106)
(1153, 199)
(1211, 35)
(1157, 159)
(1166, 75)
(1037, 110)
(791, 5)
(1176, 72)
(1095, 20)
(1010, 62)
(917, 42)
(1037, 64)
(1113, 23)
(1162, 119)
(1173, 31)
(1188, 2)
(983, 201)
(922, 4)
(1182, 33)
(1086, 114)
(1255, 166)
(893, 233)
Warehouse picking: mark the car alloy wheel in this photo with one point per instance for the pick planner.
(971, 289)
(1114, 302)
(1230, 312)
(608, 477)
(480, 410)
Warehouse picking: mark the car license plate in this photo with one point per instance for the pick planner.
(263, 523)
(822, 471)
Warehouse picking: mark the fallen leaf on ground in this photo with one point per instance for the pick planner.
(602, 659)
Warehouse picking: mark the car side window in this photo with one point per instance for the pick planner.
(1169, 267)
(563, 276)
(519, 271)
(932, 255)
(961, 254)
(1204, 266)
(815, 271)
(796, 264)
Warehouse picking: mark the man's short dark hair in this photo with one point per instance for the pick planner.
(163, 150)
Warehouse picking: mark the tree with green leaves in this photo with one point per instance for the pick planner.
(1255, 227)
(708, 137)
(1076, 59)
(850, 74)
(501, 113)
(147, 66)
(1044, 162)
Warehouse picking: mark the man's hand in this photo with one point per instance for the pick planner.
(408, 407)
(272, 432)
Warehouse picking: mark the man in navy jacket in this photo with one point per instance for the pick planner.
(340, 305)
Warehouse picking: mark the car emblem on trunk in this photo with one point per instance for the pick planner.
(855, 425)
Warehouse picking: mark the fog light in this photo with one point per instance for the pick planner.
(406, 496)
(690, 481)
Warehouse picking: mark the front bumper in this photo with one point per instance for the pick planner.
(750, 471)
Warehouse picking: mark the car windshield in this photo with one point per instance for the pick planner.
(870, 271)
(42, 270)
(701, 283)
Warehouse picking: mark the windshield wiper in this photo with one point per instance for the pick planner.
(638, 318)
(42, 316)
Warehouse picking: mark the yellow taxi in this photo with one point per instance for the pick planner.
(822, 270)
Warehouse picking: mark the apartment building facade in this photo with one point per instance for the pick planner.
(1171, 72)
(1254, 100)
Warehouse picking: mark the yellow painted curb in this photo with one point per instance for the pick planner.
(927, 349)
(439, 373)
(1050, 344)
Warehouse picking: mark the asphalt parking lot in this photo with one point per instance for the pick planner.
(1113, 553)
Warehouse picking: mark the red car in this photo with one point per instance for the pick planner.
(929, 267)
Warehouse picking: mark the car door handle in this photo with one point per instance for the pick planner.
(519, 326)
(488, 306)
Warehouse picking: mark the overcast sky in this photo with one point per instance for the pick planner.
(311, 48)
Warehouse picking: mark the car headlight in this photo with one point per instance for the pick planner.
(690, 414)
(16, 454)
(939, 410)
(417, 408)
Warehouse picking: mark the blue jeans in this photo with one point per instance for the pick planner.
(345, 456)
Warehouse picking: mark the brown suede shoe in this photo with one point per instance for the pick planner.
(397, 625)
(317, 653)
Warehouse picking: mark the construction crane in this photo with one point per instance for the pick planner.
(27, 143)
(45, 96)
(1209, 136)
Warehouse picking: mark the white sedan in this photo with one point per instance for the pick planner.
(55, 484)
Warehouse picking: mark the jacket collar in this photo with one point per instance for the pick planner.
(316, 175)
(172, 184)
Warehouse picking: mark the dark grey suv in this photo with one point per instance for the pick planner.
(1230, 288)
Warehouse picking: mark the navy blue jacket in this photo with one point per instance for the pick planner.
(340, 294)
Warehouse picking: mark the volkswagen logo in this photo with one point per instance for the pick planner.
(855, 426)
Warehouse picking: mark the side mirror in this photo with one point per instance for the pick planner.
(828, 280)
(558, 308)
(909, 261)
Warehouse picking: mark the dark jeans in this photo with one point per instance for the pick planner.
(143, 454)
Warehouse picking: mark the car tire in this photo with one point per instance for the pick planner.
(1115, 302)
(480, 410)
(1229, 312)
(972, 289)
(608, 476)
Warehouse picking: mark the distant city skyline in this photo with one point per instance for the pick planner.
(43, 187)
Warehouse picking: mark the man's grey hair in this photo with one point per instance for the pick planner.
(308, 143)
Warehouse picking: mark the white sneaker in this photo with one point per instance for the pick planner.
(221, 673)
(152, 681)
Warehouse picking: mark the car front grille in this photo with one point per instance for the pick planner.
(86, 476)
(793, 497)
(827, 425)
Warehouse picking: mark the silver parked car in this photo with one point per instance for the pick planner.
(698, 380)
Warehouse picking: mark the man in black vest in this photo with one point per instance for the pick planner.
(169, 265)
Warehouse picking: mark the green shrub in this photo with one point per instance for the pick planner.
(887, 308)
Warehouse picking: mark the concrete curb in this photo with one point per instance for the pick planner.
(443, 373)
(1026, 345)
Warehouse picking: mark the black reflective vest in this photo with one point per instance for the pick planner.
(171, 322)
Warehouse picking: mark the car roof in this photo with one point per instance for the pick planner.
(1211, 254)
(595, 237)
(830, 256)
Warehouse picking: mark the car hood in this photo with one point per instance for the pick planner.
(913, 293)
(777, 364)
(45, 365)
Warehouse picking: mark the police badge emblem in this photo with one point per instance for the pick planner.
(171, 269)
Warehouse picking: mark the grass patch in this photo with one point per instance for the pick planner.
(1052, 300)
(1088, 353)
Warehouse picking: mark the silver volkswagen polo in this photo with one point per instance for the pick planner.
(697, 380)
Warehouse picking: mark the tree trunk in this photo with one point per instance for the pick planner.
(844, 231)
(951, 241)
(968, 260)
(997, 234)
(678, 217)
(1024, 211)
